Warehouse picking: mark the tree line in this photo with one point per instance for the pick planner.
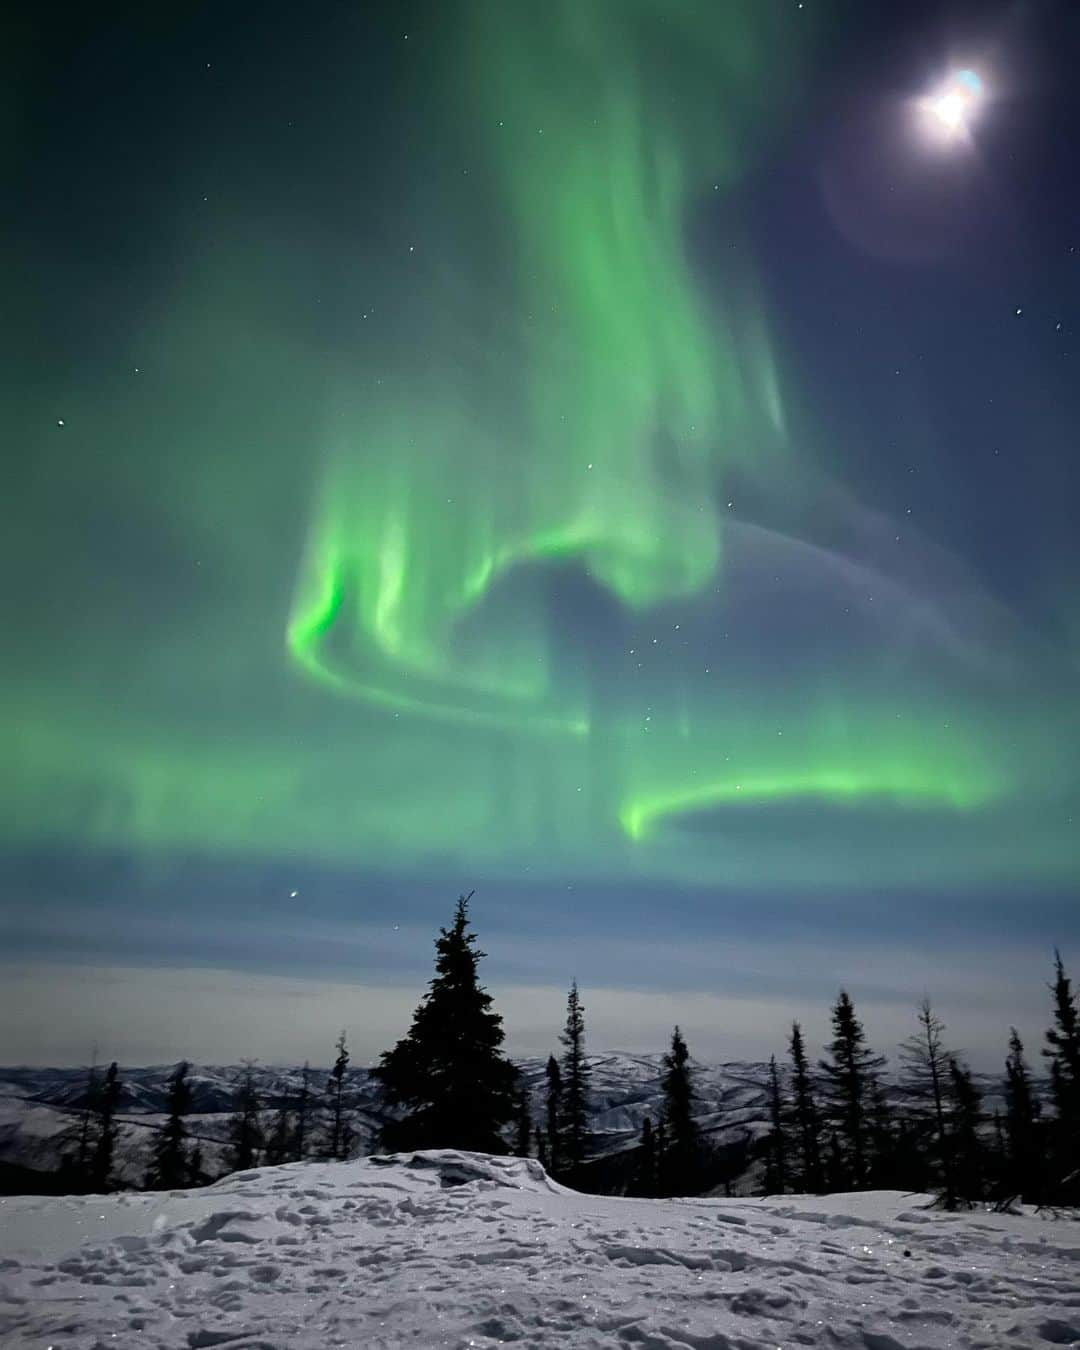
(834, 1125)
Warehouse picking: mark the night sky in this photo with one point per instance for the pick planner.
(618, 455)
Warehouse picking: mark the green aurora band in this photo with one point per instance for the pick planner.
(556, 405)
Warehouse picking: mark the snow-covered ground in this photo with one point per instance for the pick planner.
(456, 1249)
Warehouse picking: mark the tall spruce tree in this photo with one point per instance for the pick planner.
(849, 1076)
(805, 1116)
(574, 1128)
(339, 1131)
(245, 1138)
(776, 1143)
(104, 1154)
(553, 1106)
(680, 1169)
(449, 1072)
(1023, 1166)
(924, 1077)
(1063, 1052)
(169, 1163)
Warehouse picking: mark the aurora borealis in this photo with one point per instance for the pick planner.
(482, 444)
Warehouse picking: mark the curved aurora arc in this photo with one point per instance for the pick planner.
(625, 400)
(525, 634)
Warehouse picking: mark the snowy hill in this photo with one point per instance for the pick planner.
(459, 1250)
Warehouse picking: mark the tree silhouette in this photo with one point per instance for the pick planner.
(449, 1073)
(169, 1167)
(924, 1076)
(967, 1145)
(553, 1105)
(850, 1075)
(776, 1143)
(302, 1116)
(245, 1128)
(645, 1176)
(523, 1123)
(339, 1134)
(1023, 1156)
(101, 1161)
(1063, 1051)
(805, 1115)
(681, 1163)
(574, 1125)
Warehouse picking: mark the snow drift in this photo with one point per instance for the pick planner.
(443, 1248)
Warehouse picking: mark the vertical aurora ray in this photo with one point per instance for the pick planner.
(597, 421)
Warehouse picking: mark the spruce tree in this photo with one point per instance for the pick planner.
(681, 1168)
(339, 1133)
(776, 1143)
(573, 1131)
(449, 1072)
(1022, 1145)
(885, 1140)
(553, 1106)
(298, 1151)
(645, 1176)
(279, 1141)
(102, 1159)
(967, 1145)
(849, 1075)
(523, 1123)
(805, 1116)
(80, 1140)
(924, 1077)
(1063, 1052)
(169, 1163)
(542, 1149)
(245, 1138)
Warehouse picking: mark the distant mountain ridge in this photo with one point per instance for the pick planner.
(39, 1106)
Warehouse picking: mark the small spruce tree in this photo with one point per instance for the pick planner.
(805, 1117)
(298, 1150)
(553, 1107)
(924, 1077)
(523, 1122)
(245, 1127)
(776, 1144)
(1063, 1052)
(279, 1140)
(645, 1180)
(681, 1168)
(168, 1168)
(967, 1148)
(339, 1132)
(1023, 1163)
(104, 1155)
(449, 1072)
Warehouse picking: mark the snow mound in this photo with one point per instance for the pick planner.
(459, 1249)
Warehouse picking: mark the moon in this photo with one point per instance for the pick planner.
(949, 111)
